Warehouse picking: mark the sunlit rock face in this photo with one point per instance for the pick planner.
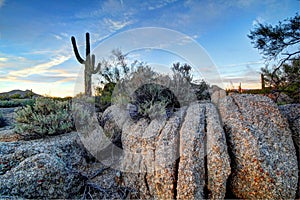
(42, 168)
(292, 113)
(263, 156)
(182, 157)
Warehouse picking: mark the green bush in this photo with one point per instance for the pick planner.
(103, 96)
(150, 94)
(9, 103)
(15, 96)
(2, 120)
(46, 117)
(152, 101)
(83, 112)
(4, 97)
(16, 103)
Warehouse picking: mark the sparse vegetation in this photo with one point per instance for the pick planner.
(152, 101)
(113, 70)
(151, 94)
(285, 80)
(46, 117)
(16, 103)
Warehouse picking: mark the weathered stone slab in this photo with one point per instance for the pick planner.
(262, 151)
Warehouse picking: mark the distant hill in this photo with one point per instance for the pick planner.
(21, 92)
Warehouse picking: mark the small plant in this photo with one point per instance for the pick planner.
(46, 117)
(152, 101)
(103, 96)
(201, 90)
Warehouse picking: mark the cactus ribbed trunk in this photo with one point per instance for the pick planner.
(87, 83)
(89, 64)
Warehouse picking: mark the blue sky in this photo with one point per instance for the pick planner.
(36, 53)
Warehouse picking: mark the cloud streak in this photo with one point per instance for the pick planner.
(160, 4)
(3, 59)
(40, 68)
(116, 25)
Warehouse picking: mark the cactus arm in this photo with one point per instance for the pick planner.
(93, 61)
(80, 60)
(97, 69)
(88, 46)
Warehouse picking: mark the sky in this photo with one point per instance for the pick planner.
(36, 51)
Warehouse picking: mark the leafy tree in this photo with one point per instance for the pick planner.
(285, 80)
(280, 42)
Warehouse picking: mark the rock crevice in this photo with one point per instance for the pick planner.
(182, 155)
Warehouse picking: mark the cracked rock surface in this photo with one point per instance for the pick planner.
(292, 113)
(183, 157)
(42, 168)
(264, 163)
(42, 175)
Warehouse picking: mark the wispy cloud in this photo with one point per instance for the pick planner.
(113, 8)
(2, 3)
(40, 68)
(160, 4)
(116, 25)
(244, 64)
(61, 36)
(58, 37)
(110, 15)
(3, 59)
(64, 34)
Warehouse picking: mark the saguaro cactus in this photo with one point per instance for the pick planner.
(89, 64)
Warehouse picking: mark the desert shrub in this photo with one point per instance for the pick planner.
(4, 97)
(201, 90)
(9, 103)
(16, 103)
(149, 94)
(152, 101)
(182, 89)
(83, 112)
(184, 71)
(124, 89)
(144, 90)
(46, 117)
(15, 96)
(29, 94)
(2, 120)
(112, 71)
(196, 88)
(103, 96)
